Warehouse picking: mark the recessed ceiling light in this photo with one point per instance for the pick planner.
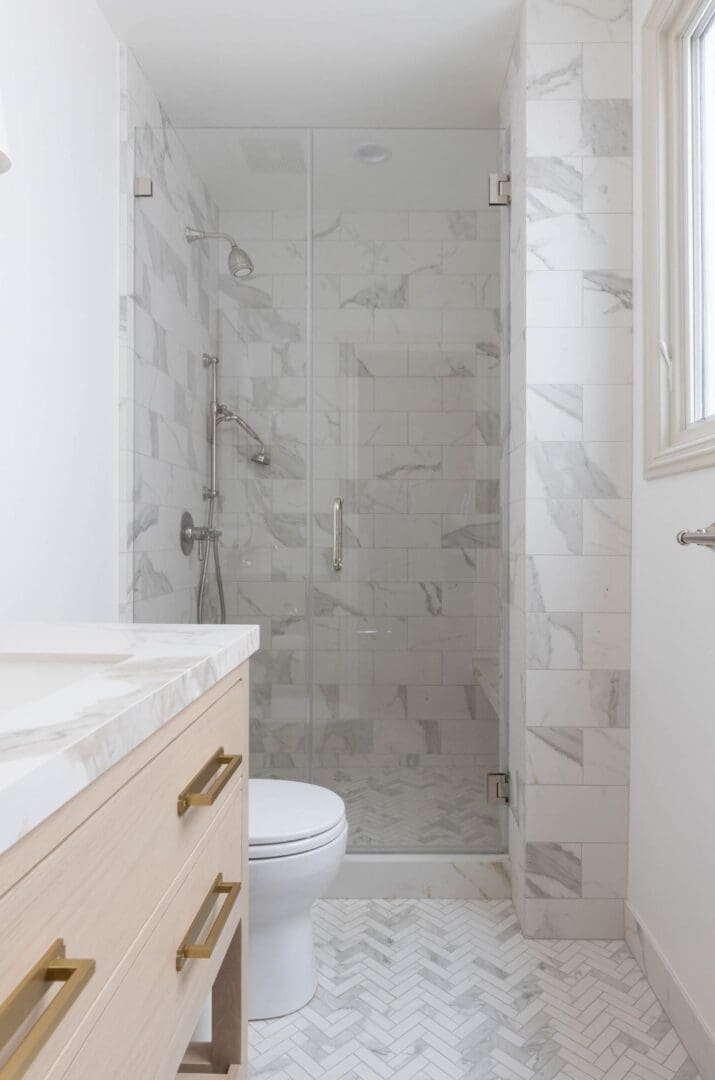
(373, 153)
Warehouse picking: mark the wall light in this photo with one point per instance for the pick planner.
(5, 161)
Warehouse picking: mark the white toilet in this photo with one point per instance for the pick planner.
(297, 836)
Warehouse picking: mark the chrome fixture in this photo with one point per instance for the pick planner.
(372, 153)
(706, 537)
(200, 534)
(223, 415)
(337, 534)
(239, 261)
(497, 788)
(499, 189)
(210, 535)
(206, 535)
(143, 187)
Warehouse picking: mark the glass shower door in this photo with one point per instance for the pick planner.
(405, 430)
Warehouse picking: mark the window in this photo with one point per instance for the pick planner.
(679, 234)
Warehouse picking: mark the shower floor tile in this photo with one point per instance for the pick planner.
(421, 809)
(450, 990)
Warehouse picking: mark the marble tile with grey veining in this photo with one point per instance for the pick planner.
(121, 685)
(554, 186)
(385, 292)
(554, 755)
(553, 870)
(554, 70)
(571, 470)
(554, 640)
(607, 299)
(607, 127)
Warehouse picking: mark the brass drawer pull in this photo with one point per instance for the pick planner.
(190, 948)
(15, 1010)
(194, 795)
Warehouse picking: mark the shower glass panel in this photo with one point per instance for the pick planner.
(365, 352)
(406, 431)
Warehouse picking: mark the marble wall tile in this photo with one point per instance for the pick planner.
(578, 128)
(591, 356)
(555, 640)
(606, 641)
(607, 299)
(555, 412)
(578, 698)
(606, 756)
(607, 71)
(578, 583)
(589, 20)
(553, 870)
(582, 919)
(576, 813)
(596, 470)
(606, 527)
(608, 185)
(554, 755)
(554, 70)
(604, 870)
(556, 527)
(555, 186)
(554, 298)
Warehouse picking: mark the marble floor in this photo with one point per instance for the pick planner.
(393, 809)
(450, 990)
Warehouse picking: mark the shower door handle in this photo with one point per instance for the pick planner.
(337, 533)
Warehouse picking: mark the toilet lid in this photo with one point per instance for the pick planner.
(280, 811)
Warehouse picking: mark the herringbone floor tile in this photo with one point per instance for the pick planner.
(450, 990)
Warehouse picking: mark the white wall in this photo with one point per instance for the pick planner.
(59, 76)
(672, 866)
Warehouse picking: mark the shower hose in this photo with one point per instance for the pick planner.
(213, 538)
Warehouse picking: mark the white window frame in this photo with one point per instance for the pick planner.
(674, 441)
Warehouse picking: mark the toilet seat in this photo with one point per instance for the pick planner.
(286, 817)
(296, 847)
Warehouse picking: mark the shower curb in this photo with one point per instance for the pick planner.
(448, 877)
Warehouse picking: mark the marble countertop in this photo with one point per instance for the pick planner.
(75, 698)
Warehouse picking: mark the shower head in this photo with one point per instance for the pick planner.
(262, 457)
(239, 261)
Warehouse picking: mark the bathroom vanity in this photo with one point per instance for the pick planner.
(123, 850)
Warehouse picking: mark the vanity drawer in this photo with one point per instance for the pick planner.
(97, 889)
(143, 1031)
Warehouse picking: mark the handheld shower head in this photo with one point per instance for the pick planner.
(239, 261)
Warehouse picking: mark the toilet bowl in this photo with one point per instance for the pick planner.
(297, 836)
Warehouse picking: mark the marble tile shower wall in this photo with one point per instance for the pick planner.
(406, 429)
(571, 463)
(169, 318)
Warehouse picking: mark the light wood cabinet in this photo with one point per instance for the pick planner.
(120, 885)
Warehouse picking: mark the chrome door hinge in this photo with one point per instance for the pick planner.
(143, 187)
(497, 788)
(499, 189)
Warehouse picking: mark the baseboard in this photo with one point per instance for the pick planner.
(389, 877)
(694, 1034)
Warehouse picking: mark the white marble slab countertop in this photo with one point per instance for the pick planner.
(75, 698)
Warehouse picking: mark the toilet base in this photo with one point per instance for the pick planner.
(281, 963)
(282, 967)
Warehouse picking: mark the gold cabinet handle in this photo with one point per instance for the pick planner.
(51, 968)
(190, 948)
(194, 795)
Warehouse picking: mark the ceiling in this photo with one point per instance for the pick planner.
(322, 63)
